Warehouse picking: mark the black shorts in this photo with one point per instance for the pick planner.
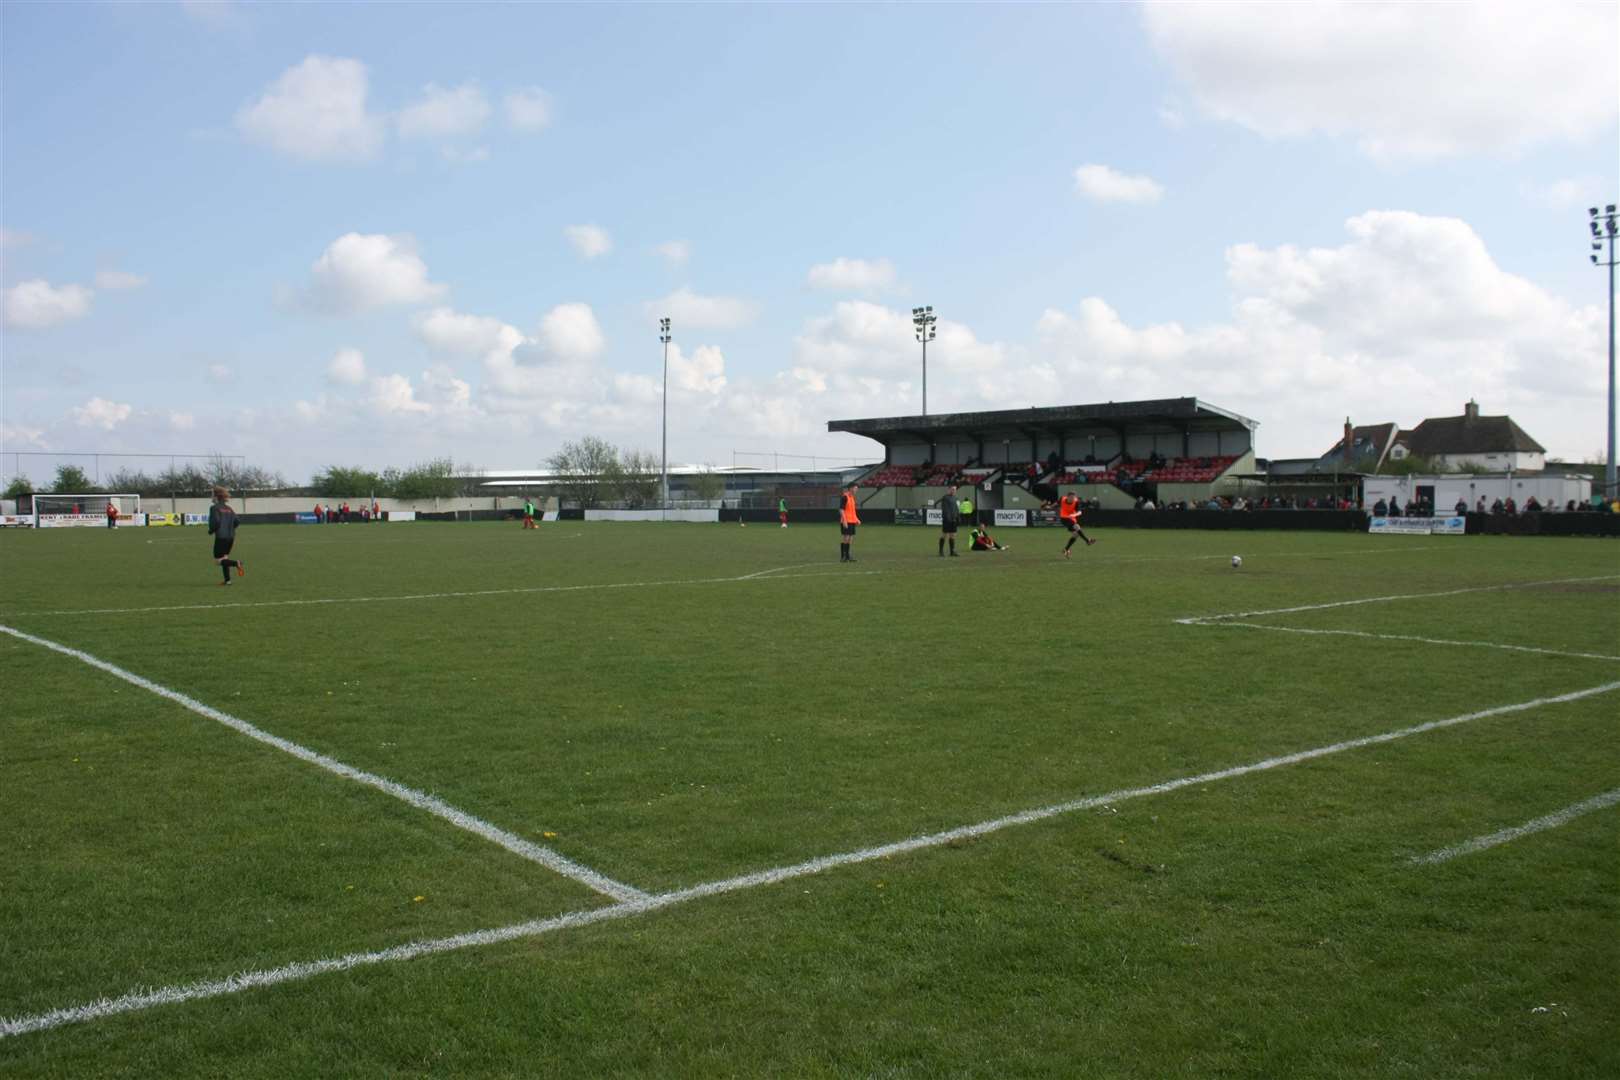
(222, 548)
(948, 528)
(1072, 524)
(847, 530)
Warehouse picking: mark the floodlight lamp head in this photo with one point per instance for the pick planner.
(1592, 210)
(1609, 209)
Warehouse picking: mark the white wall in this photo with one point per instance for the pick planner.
(1448, 487)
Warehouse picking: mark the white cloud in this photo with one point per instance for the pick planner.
(11, 239)
(456, 155)
(1102, 184)
(1172, 116)
(675, 252)
(1406, 320)
(571, 332)
(443, 113)
(394, 394)
(468, 336)
(360, 272)
(528, 109)
(1406, 80)
(691, 310)
(316, 111)
(590, 241)
(347, 367)
(36, 304)
(114, 280)
(853, 275)
(182, 421)
(221, 373)
(101, 413)
(704, 372)
(1567, 193)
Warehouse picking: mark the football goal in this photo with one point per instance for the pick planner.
(57, 511)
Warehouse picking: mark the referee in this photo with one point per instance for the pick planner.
(950, 514)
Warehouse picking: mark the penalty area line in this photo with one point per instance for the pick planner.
(517, 845)
(133, 1002)
(1210, 620)
(1540, 824)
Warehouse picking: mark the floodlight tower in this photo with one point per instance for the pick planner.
(664, 336)
(923, 319)
(1605, 228)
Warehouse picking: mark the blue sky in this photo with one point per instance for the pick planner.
(374, 234)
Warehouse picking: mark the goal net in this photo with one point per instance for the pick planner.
(57, 511)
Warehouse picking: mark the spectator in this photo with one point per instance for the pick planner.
(1462, 506)
(1531, 506)
(1496, 506)
(1510, 507)
(1479, 506)
(1147, 504)
(1379, 508)
(317, 513)
(1570, 506)
(1394, 507)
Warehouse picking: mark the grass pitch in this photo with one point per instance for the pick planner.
(676, 706)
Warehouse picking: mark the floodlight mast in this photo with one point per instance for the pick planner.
(1605, 227)
(664, 336)
(923, 319)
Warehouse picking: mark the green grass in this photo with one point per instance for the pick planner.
(650, 710)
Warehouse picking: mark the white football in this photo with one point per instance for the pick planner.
(1237, 560)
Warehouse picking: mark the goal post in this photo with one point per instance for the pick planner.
(59, 511)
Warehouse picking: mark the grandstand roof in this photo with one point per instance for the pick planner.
(1166, 414)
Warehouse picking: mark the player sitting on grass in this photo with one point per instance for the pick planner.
(983, 541)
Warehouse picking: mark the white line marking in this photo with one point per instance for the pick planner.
(268, 977)
(1195, 620)
(1412, 637)
(1551, 821)
(448, 595)
(421, 800)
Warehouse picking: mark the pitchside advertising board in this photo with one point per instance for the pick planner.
(1419, 526)
(1011, 519)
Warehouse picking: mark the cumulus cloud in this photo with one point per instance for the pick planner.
(114, 280)
(1099, 183)
(571, 332)
(316, 111)
(360, 272)
(347, 368)
(1408, 81)
(675, 252)
(589, 241)
(36, 304)
(468, 336)
(221, 373)
(443, 113)
(100, 413)
(853, 275)
(528, 109)
(394, 394)
(1406, 320)
(704, 372)
(692, 310)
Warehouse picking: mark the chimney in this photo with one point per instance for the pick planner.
(1349, 439)
(1471, 410)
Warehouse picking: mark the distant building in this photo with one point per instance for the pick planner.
(1487, 442)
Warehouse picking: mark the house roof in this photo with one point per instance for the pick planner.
(1370, 441)
(1470, 434)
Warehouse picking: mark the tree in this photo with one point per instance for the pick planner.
(708, 485)
(635, 482)
(70, 480)
(20, 485)
(342, 481)
(434, 479)
(1411, 464)
(584, 469)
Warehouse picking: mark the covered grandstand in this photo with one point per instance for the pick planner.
(1113, 453)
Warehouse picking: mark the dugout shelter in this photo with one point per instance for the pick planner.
(1111, 452)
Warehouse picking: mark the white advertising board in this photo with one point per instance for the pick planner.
(653, 515)
(1418, 526)
(400, 515)
(68, 521)
(1012, 518)
(935, 517)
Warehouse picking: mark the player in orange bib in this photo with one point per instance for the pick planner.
(1069, 515)
(847, 520)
